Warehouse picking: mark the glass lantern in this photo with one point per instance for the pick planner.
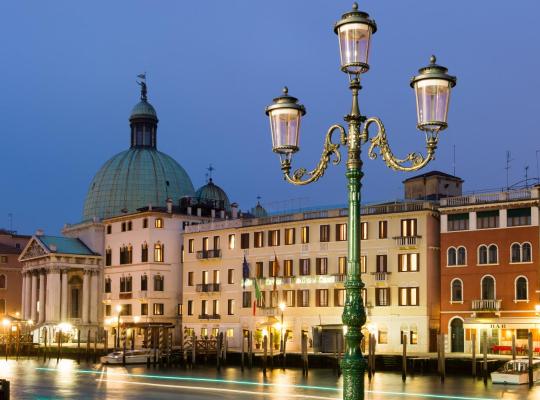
(432, 88)
(354, 32)
(285, 114)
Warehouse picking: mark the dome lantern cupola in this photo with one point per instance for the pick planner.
(143, 120)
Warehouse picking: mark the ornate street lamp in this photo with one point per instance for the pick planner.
(432, 87)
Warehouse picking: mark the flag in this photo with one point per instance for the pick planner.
(245, 272)
(254, 307)
(275, 271)
(257, 289)
(142, 76)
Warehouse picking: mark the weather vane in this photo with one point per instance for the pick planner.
(142, 83)
(209, 174)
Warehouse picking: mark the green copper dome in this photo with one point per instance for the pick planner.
(213, 193)
(139, 176)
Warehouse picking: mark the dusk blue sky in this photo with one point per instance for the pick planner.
(68, 84)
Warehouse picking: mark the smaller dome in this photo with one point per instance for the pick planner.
(259, 211)
(143, 109)
(210, 193)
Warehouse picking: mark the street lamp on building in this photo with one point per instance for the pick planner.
(432, 87)
(119, 312)
(282, 307)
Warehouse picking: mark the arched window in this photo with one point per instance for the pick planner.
(526, 255)
(144, 252)
(159, 252)
(493, 257)
(488, 288)
(482, 255)
(521, 288)
(108, 257)
(515, 252)
(144, 282)
(461, 256)
(457, 290)
(129, 254)
(2, 306)
(451, 256)
(159, 283)
(3, 281)
(107, 285)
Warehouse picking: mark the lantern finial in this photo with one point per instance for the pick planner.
(355, 6)
(285, 90)
(433, 59)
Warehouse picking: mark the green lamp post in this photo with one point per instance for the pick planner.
(432, 88)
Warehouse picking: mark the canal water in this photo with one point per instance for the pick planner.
(31, 379)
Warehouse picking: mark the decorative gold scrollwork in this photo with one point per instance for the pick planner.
(329, 149)
(416, 161)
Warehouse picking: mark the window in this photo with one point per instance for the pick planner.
(158, 308)
(339, 297)
(204, 332)
(125, 284)
(230, 307)
(342, 265)
(216, 243)
(488, 288)
(487, 219)
(108, 257)
(144, 282)
(382, 296)
(261, 301)
(325, 233)
(290, 236)
(363, 230)
(246, 299)
(216, 276)
(126, 255)
(458, 222)
(409, 262)
(321, 266)
(244, 241)
(126, 309)
(526, 252)
(522, 334)
(190, 278)
(521, 288)
(159, 252)
(107, 310)
(451, 256)
(230, 332)
(520, 252)
(144, 252)
(273, 238)
(382, 263)
(145, 223)
(408, 227)
(159, 283)
(492, 254)
(259, 269)
(382, 336)
(123, 229)
(383, 229)
(3, 259)
(341, 232)
(204, 307)
(258, 239)
(321, 297)
(518, 216)
(144, 308)
(363, 264)
(303, 298)
(305, 266)
(230, 276)
(190, 307)
(457, 290)
(109, 229)
(158, 223)
(205, 243)
(413, 335)
(232, 240)
(129, 226)
(204, 277)
(288, 269)
(304, 234)
(461, 256)
(215, 307)
(288, 298)
(409, 296)
(107, 285)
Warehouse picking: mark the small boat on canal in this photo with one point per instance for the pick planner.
(516, 372)
(132, 357)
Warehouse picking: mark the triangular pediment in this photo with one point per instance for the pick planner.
(33, 249)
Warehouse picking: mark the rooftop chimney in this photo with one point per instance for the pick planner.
(169, 205)
(234, 210)
(39, 232)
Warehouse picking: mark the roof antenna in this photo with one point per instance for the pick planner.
(526, 176)
(142, 84)
(454, 161)
(209, 174)
(507, 168)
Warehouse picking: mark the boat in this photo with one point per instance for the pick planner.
(516, 372)
(132, 356)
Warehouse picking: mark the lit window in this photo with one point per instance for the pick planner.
(304, 237)
(383, 229)
(158, 308)
(341, 232)
(289, 236)
(409, 262)
(158, 223)
(159, 250)
(231, 242)
(363, 230)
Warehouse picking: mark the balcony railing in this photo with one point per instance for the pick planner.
(207, 287)
(381, 276)
(268, 311)
(204, 254)
(407, 240)
(479, 198)
(209, 316)
(340, 277)
(486, 305)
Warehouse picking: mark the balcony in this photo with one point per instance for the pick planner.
(407, 240)
(381, 276)
(205, 254)
(125, 295)
(207, 287)
(209, 316)
(486, 305)
(268, 311)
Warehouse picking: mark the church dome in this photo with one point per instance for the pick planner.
(139, 176)
(213, 194)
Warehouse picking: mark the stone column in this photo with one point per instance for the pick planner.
(41, 297)
(33, 304)
(94, 297)
(23, 297)
(53, 296)
(28, 295)
(64, 296)
(86, 296)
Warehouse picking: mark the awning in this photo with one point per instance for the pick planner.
(502, 323)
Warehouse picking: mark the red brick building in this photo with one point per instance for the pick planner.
(11, 246)
(490, 269)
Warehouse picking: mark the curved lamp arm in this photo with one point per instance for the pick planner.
(415, 161)
(329, 149)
